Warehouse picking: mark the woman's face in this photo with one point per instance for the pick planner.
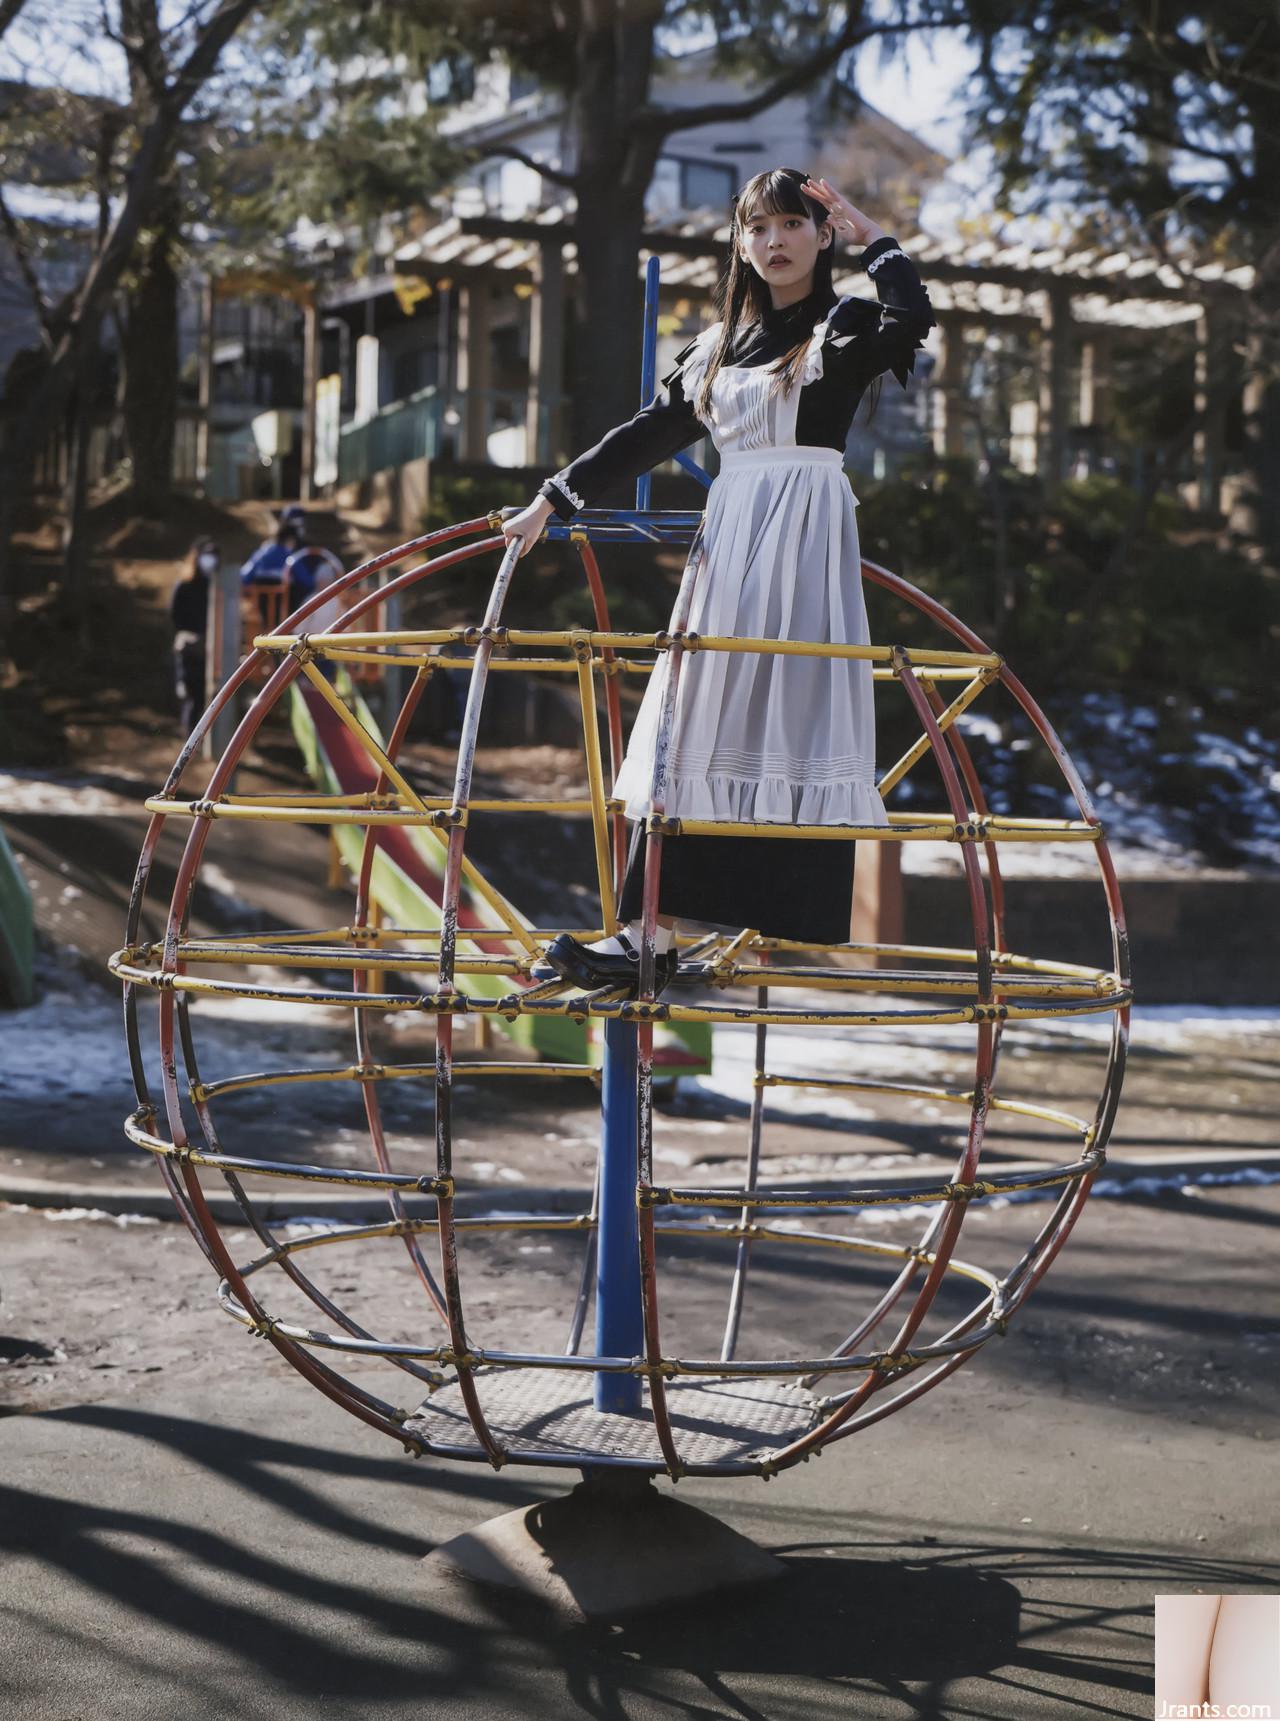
(782, 248)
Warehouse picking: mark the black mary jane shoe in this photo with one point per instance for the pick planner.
(592, 969)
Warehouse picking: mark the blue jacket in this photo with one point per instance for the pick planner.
(267, 563)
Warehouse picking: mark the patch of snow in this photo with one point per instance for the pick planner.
(119, 1220)
(1117, 1188)
(62, 793)
(976, 725)
(1172, 793)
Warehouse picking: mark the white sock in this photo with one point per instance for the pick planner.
(663, 940)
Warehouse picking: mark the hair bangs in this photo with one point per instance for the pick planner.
(774, 192)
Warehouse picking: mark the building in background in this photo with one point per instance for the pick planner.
(450, 347)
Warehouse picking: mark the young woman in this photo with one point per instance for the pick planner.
(755, 738)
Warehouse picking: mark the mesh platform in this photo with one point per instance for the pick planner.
(548, 1414)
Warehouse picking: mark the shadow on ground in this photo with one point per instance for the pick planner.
(864, 1622)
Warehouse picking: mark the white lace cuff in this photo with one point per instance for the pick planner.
(884, 257)
(561, 482)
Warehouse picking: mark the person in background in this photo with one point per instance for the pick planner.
(309, 571)
(189, 613)
(266, 567)
(268, 562)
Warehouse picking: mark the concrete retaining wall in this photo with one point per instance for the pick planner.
(1194, 940)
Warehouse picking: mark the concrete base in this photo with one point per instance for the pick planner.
(613, 1546)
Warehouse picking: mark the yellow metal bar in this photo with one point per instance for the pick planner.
(579, 1009)
(202, 1091)
(424, 1225)
(460, 665)
(595, 782)
(939, 830)
(1090, 985)
(841, 653)
(253, 939)
(880, 981)
(352, 724)
(949, 1096)
(343, 942)
(374, 935)
(1098, 984)
(913, 755)
(636, 641)
(429, 818)
(368, 799)
(936, 953)
(730, 1232)
(727, 960)
(531, 665)
(496, 901)
(436, 811)
(485, 1067)
(376, 961)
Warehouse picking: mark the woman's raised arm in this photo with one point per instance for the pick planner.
(885, 336)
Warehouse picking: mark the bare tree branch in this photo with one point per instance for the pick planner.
(13, 234)
(663, 121)
(557, 175)
(141, 41)
(104, 272)
(1172, 140)
(9, 10)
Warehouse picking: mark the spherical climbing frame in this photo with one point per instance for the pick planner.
(627, 1404)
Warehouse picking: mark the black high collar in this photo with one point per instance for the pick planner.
(810, 308)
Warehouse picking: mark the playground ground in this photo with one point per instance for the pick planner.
(187, 1525)
(185, 1522)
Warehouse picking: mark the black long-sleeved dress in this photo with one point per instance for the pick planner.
(761, 739)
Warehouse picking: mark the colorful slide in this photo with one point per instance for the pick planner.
(17, 933)
(406, 885)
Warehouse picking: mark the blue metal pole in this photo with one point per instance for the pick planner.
(648, 359)
(619, 1312)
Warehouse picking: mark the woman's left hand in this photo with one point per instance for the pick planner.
(849, 222)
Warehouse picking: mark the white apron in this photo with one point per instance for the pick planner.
(758, 738)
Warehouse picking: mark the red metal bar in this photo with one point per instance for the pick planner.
(612, 701)
(361, 980)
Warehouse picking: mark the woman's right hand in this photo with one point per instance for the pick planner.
(528, 523)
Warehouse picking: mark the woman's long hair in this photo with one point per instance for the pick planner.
(742, 297)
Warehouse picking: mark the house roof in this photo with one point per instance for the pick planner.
(989, 279)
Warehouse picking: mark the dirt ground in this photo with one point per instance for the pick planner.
(184, 1520)
(185, 1523)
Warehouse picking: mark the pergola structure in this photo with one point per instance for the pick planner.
(1076, 302)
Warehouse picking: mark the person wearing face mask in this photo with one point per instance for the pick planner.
(189, 614)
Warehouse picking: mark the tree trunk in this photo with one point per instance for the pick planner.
(46, 398)
(151, 365)
(1258, 512)
(607, 313)
(615, 165)
(75, 532)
